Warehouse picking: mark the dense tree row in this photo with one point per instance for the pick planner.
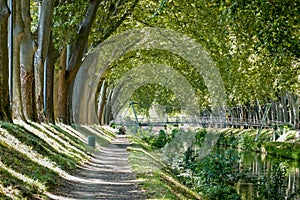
(255, 45)
(50, 39)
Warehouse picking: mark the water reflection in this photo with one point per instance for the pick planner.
(258, 164)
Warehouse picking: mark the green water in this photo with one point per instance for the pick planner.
(259, 164)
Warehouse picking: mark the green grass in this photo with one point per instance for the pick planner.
(65, 161)
(156, 179)
(33, 157)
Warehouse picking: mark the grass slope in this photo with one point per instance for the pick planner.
(156, 178)
(34, 156)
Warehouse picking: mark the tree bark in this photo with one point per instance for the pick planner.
(18, 28)
(49, 65)
(44, 32)
(297, 105)
(107, 109)
(102, 101)
(62, 90)
(5, 112)
(285, 109)
(27, 51)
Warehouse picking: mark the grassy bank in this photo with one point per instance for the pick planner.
(33, 157)
(289, 147)
(156, 178)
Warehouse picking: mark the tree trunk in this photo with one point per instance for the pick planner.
(273, 111)
(285, 109)
(107, 109)
(49, 65)
(62, 90)
(5, 112)
(68, 74)
(102, 101)
(293, 108)
(18, 28)
(27, 51)
(297, 104)
(44, 32)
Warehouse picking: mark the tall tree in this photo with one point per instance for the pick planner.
(75, 60)
(43, 41)
(18, 32)
(49, 87)
(27, 51)
(107, 16)
(5, 112)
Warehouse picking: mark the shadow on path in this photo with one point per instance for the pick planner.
(106, 176)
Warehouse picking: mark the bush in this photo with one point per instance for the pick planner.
(161, 140)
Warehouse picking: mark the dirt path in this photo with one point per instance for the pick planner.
(106, 176)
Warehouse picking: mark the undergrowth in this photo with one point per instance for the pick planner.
(156, 178)
(214, 176)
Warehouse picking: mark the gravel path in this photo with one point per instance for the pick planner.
(106, 176)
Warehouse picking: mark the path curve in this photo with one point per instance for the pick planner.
(106, 176)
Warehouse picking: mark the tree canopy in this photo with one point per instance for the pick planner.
(254, 44)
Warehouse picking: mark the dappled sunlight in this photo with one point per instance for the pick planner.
(98, 133)
(47, 138)
(107, 175)
(23, 178)
(73, 132)
(37, 158)
(13, 142)
(9, 191)
(63, 139)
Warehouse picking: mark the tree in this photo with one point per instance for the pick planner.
(42, 52)
(253, 43)
(5, 112)
(27, 50)
(18, 31)
(110, 16)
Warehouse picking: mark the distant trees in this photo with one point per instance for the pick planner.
(255, 45)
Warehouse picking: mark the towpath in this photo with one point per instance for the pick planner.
(106, 176)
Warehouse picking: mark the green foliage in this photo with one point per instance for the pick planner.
(161, 139)
(283, 149)
(251, 42)
(156, 179)
(220, 168)
(274, 23)
(200, 136)
(214, 176)
(149, 94)
(67, 17)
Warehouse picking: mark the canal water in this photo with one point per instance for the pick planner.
(258, 164)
